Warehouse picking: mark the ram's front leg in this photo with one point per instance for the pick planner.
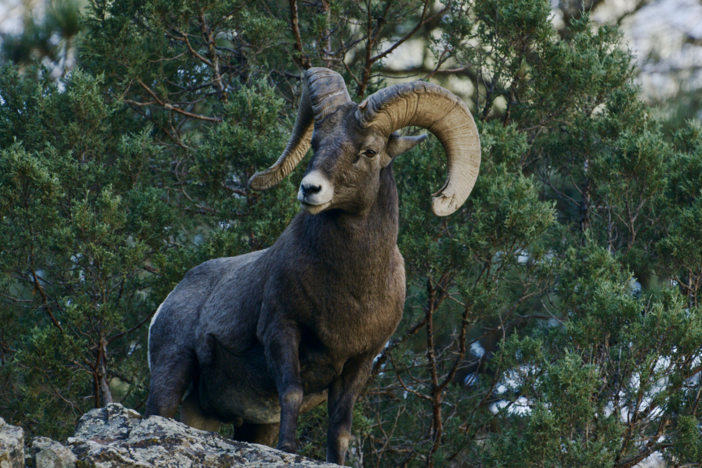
(282, 345)
(342, 397)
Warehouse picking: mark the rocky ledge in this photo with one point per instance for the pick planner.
(11, 446)
(115, 436)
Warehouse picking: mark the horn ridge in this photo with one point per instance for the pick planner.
(442, 117)
(327, 91)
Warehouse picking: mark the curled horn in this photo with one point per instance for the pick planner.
(322, 92)
(441, 112)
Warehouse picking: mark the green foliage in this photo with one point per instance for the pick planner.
(554, 320)
(95, 237)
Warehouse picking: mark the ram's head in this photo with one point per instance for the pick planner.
(353, 142)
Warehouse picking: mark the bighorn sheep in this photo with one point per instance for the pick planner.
(262, 337)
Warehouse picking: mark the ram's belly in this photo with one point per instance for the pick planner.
(233, 387)
(253, 408)
(231, 405)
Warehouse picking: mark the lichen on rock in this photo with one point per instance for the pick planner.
(11, 446)
(115, 436)
(47, 453)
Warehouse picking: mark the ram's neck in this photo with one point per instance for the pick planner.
(365, 241)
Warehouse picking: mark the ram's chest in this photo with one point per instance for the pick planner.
(325, 349)
(352, 321)
(351, 336)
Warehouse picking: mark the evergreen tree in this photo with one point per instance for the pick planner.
(554, 320)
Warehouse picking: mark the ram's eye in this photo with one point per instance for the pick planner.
(370, 153)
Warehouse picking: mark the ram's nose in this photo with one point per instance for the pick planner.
(316, 192)
(310, 189)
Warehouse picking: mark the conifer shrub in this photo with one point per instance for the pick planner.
(555, 320)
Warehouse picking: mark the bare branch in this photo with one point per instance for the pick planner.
(173, 108)
(304, 60)
(424, 20)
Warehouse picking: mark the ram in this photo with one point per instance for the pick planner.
(260, 338)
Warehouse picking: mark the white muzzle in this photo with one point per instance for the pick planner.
(316, 192)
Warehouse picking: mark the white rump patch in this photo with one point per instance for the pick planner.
(153, 320)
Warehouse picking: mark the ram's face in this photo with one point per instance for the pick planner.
(344, 172)
(353, 143)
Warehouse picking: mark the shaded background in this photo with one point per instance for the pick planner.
(665, 37)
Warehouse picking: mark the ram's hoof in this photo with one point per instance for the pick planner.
(289, 448)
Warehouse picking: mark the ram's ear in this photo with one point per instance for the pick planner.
(398, 144)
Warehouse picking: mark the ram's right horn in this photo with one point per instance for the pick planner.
(445, 115)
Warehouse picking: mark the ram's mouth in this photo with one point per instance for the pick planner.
(314, 209)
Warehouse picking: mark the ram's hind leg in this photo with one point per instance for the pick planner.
(171, 374)
(264, 434)
(191, 413)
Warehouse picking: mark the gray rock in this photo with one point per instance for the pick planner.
(47, 453)
(115, 436)
(11, 446)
